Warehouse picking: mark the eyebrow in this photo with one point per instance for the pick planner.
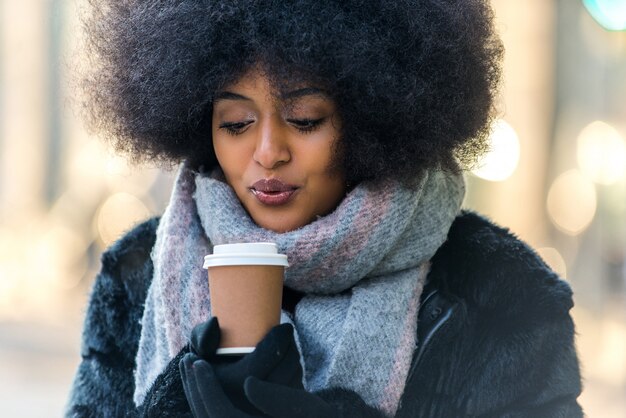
(307, 91)
(227, 95)
(295, 94)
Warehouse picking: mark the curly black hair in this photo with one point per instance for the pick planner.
(414, 80)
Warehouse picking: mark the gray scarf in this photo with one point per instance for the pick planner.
(362, 267)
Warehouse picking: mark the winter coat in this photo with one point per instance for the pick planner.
(495, 338)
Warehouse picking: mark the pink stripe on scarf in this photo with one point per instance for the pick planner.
(352, 243)
(392, 393)
(175, 235)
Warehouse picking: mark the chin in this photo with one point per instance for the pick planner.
(280, 229)
(278, 226)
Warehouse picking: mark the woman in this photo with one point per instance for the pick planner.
(336, 129)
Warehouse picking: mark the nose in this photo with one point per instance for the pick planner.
(272, 146)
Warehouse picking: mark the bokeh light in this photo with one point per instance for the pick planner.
(602, 153)
(572, 202)
(85, 172)
(118, 214)
(610, 14)
(503, 156)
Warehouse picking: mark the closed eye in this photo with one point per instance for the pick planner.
(235, 128)
(306, 125)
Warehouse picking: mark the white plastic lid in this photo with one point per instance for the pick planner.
(245, 254)
(233, 351)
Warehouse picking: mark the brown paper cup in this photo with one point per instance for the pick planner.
(246, 286)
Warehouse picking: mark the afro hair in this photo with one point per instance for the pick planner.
(414, 80)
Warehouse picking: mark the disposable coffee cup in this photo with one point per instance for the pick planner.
(246, 288)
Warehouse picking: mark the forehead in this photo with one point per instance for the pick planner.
(256, 84)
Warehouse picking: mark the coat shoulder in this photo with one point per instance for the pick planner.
(499, 339)
(128, 259)
(119, 292)
(488, 266)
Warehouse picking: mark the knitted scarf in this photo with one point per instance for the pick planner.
(362, 269)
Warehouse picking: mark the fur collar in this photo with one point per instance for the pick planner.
(491, 269)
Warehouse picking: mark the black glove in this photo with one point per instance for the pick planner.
(279, 401)
(204, 392)
(268, 382)
(275, 359)
(214, 384)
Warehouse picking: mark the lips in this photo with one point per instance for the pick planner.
(273, 192)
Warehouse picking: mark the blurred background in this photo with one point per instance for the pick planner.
(556, 176)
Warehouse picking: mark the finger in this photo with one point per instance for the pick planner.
(185, 366)
(284, 402)
(277, 339)
(182, 366)
(289, 370)
(205, 338)
(214, 399)
(270, 351)
(190, 386)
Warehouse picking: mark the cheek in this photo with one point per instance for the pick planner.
(328, 179)
(324, 161)
(223, 158)
(230, 156)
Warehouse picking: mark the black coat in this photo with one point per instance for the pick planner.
(495, 338)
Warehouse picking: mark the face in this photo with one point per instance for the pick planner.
(277, 150)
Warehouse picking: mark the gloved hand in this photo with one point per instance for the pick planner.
(279, 401)
(214, 384)
(204, 391)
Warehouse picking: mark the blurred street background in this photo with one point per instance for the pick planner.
(556, 177)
